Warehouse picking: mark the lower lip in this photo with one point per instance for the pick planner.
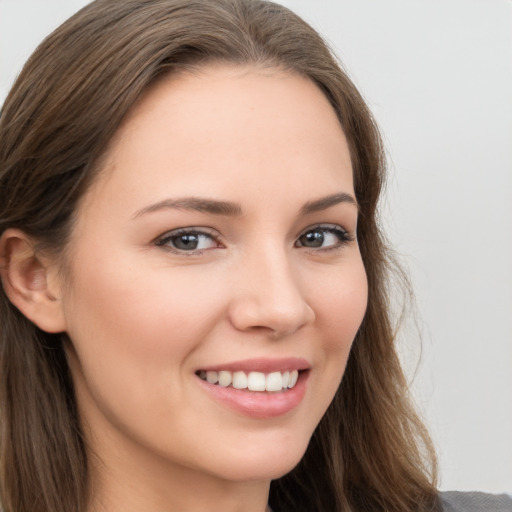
(258, 404)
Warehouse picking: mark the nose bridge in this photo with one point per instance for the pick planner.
(270, 295)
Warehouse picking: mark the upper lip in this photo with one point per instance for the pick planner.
(264, 365)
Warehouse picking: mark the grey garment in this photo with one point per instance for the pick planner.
(454, 501)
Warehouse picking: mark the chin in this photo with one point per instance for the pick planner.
(263, 463)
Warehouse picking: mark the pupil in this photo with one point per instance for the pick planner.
(313, 239)
(186, 242)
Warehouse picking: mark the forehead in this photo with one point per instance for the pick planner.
(223, 124)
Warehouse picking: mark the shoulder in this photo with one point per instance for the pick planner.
(454, 501)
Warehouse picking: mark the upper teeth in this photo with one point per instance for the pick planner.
(254, 381)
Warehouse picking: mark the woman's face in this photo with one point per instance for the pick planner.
(217, 243)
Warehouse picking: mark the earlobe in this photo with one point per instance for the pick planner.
(29, 281)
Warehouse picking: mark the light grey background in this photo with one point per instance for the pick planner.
(438, 76)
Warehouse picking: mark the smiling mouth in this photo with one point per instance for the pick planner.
(252, 381)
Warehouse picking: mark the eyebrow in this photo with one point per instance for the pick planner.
(230, 209)
(323, 203)
(195, 204)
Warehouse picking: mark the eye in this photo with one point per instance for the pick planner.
(324, 237)
(188, 240)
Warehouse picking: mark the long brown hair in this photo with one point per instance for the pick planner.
(370, 451)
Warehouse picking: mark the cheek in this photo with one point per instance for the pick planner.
(134, 335)
(341, 305)
(131, 307)
(136, 326)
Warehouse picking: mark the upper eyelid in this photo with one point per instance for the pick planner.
(345, 236)
(203, 230)
(162, 239)
(326, 226)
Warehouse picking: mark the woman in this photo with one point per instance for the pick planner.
(191, 264)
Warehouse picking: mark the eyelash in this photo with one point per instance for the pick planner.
(165, 239)
(344, 237)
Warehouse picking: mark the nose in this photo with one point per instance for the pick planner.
(268, 296)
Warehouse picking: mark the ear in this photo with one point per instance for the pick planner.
(30, 281)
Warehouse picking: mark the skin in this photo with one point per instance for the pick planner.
(143, 316)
